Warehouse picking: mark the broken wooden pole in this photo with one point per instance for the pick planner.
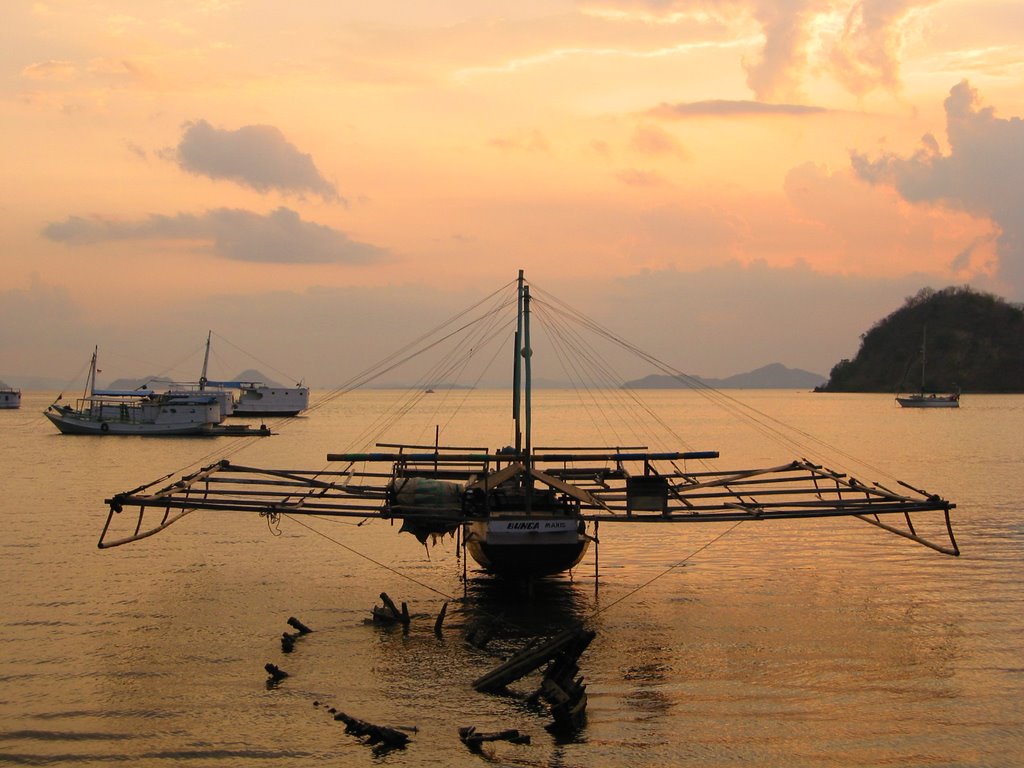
(440, 619)
(298, 625)
(374, 734)
(287, 642)
(473, 738)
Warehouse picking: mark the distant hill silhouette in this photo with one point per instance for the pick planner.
(156, 382)
(773, 376)
(975, 342)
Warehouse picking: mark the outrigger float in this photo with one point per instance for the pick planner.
(525, 511)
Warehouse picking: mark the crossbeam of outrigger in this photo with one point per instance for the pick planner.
(593, 487)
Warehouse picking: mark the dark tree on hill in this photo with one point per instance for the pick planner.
(975, 342)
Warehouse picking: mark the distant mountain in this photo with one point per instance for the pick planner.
(773, 376)
(154, 382)
(250, 374)
(157, 381)
(974, 342)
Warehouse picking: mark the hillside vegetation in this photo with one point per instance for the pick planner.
(975, 342)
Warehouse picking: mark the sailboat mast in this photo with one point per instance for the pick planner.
(924, 347)
(527, 373)
(517, 367)
(90, 381)
(206, 361)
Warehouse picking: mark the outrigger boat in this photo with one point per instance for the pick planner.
(521, 510)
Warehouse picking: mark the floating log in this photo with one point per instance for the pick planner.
(276, 673)
(374, 734)
(296, 624)
(571, 642)
(473, 738)
(389, 613)
(440, 619)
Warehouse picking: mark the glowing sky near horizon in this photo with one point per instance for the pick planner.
(736, 182)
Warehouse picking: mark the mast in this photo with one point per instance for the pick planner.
(90, 381)
(206, 362)
(517, 368)
(924, 346)
(527, 374)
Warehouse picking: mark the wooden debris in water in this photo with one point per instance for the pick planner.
(564, 692)
(288, 642)
(532, 657)
(389, 613)
(440, 619)
(374, 734)
(276, 673)
(298, 625)
(474, 739)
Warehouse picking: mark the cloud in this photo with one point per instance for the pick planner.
(859, 42)
(256, 156)
(280, 237)
(980, 175)
(865, 55)
(51, 70)
(651, 140)
(727, 108)
(787, 31)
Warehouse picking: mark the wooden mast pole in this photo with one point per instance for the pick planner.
(206, 362)
(517, 368)
(90, 381)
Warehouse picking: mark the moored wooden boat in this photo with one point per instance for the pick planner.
(522, 511)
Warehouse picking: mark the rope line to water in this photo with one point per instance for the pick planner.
(366, 557)
(667, 571)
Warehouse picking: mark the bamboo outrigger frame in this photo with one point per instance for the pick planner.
(519, 488)
(596, 487)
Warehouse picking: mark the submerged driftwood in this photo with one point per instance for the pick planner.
(564, 692)
(276, 673)
(373, 734)
(474, 739)
(389, 613)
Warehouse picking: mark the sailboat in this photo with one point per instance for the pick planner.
(134, 412)
(523, 511)
(927, 400)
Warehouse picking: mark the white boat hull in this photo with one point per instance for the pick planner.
(527, 545)
(271, 401)
(929, 401)
(10, 400)
(147, 418)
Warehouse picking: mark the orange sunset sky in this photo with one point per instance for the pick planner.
(729, 184)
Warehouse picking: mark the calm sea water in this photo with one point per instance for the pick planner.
(822, 643)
